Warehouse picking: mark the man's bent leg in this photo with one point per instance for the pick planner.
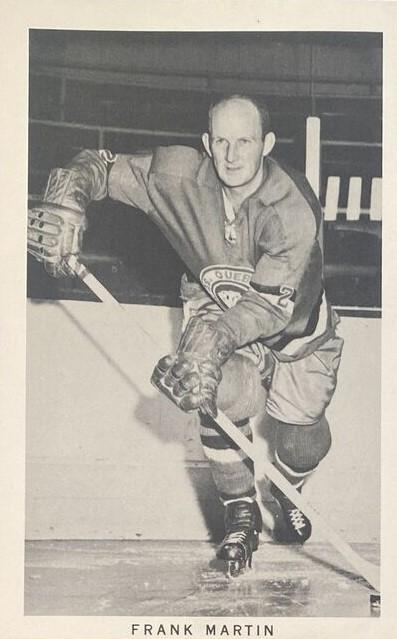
(240, 396)
(233, 474)
(299, 450)
(299, 394)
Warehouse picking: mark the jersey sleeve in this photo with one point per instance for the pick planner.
(121, 177)
(128, 180)
(286, 252)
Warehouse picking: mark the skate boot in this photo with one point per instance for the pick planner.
(243, 523)
(291, 526)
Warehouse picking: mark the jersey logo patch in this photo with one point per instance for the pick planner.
(225, 283)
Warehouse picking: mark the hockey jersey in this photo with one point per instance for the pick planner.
(263, 269)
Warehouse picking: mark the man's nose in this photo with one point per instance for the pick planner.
(231, 153)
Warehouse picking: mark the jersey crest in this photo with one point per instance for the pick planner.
(226, 283)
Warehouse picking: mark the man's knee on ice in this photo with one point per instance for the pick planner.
(240, 393)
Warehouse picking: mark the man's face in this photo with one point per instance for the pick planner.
(235, 143)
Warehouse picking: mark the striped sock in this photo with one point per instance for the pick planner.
(232, 470)
(297, 479)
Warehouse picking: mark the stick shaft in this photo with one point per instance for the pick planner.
(363, 567)
(91, 281)
(99, 290)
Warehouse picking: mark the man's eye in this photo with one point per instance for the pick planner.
(245, 140)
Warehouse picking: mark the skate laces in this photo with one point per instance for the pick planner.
(238, 536)
(298, 520)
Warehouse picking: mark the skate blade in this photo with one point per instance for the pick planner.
(234, 569)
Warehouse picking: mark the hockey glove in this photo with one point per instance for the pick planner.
(56, 225)
(192, 376)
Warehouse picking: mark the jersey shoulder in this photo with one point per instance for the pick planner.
(177, 161)
(289, 194)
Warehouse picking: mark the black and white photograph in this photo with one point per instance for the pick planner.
(203, 328)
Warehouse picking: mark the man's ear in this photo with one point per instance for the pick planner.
(206, 142)
(268, 143)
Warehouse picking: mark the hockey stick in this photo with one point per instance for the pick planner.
(365, 568)
(91, 281)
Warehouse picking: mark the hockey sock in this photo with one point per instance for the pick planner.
(300, 448)
(232, 470)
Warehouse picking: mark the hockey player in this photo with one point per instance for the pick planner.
(248, 230)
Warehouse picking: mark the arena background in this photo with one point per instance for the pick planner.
(106, 457)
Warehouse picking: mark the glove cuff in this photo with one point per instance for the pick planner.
(207, 340)
(68, 188)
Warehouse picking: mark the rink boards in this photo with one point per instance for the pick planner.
(108, 458)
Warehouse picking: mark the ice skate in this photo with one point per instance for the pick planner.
(243, 523)
(291, 525)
